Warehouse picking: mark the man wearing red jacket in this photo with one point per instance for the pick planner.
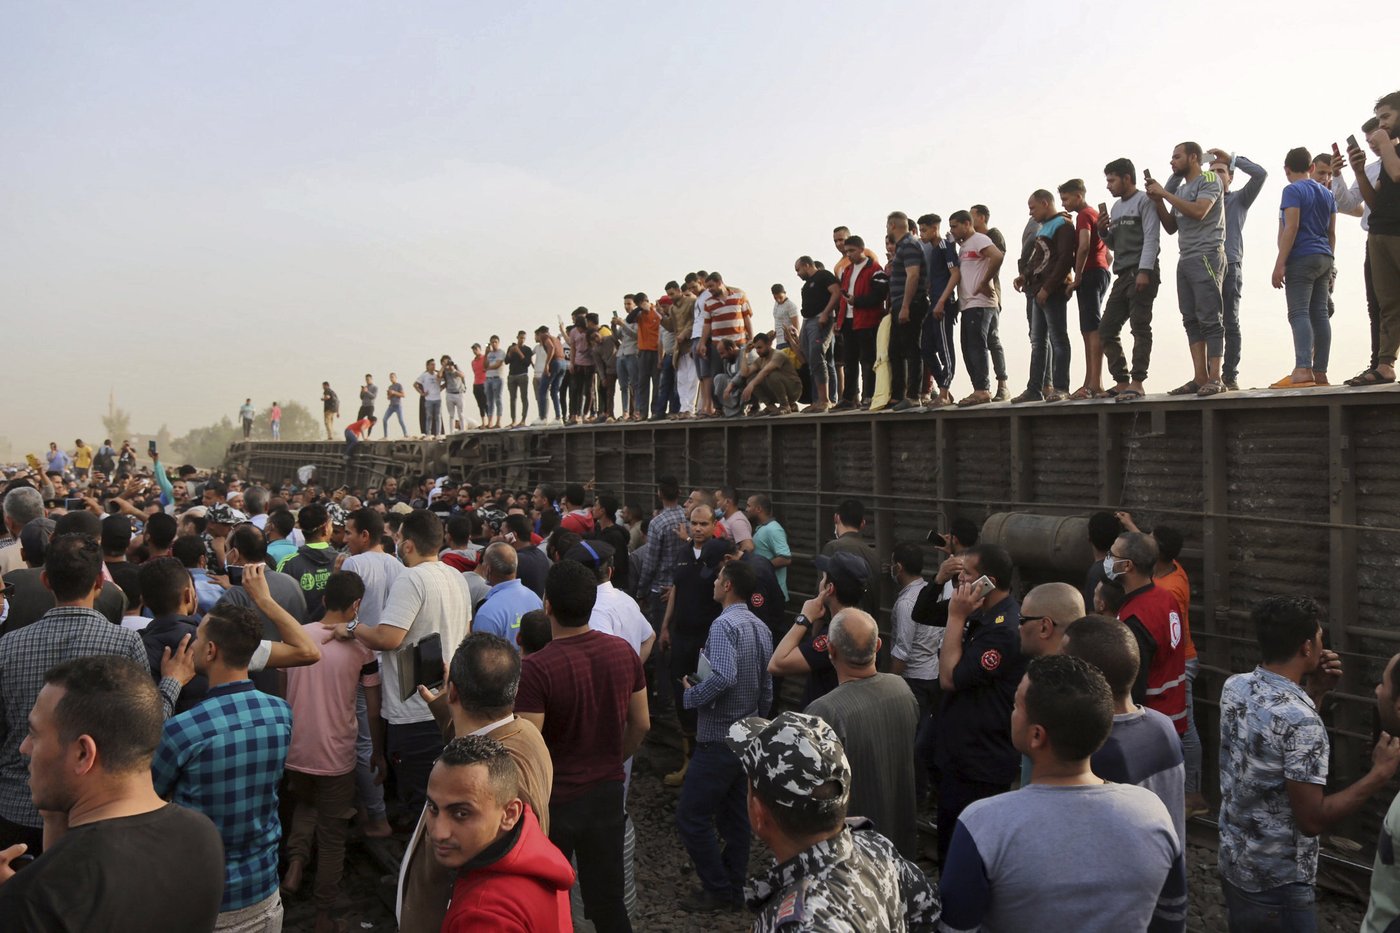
(862, 307)
(510, 877)
(1151, 613)
(575, 506)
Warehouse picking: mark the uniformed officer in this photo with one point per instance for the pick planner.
(831, 874)
(979, 667)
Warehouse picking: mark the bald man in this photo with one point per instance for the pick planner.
(874, 715)
(1046, 612)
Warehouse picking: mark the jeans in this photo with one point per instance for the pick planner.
(626, 381)
(667, 399)
(412, 748)
(495, 388)
(1305, 288)
(591, 826)
(977, 324)
(646, 382)
(371, 795)
(432, 416)
(815, 341)
(1288, 908)
(1049, 330)
(581, 390)
(277, 426)
(391, 411)
(1191, 739)
(456, 411)
(519, 385)
(263, 917)
(350, 441)
(714, 798)
(1093, 286)
(558, 370)
(324, 805)
(994, 344)
(1127, 305)
(936, 344)
(1234, 281)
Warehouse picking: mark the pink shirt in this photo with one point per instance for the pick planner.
(322, 695)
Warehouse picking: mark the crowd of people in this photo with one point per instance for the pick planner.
(880, 331)
(208, 686)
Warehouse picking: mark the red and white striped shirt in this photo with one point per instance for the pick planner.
(728, 313)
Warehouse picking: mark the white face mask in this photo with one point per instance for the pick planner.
(1109, 563)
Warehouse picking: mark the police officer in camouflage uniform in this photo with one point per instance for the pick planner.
(832, 874)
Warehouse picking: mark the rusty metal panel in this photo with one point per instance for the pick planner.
(1063, 461)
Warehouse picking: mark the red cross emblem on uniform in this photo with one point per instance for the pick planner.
(819, 643)
(991, 660)
(756, 600)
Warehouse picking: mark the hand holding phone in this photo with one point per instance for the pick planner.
(1351, 141)
(982, 586)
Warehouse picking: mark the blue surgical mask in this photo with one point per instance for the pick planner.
(1108, 564)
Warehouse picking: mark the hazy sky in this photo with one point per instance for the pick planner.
(203, 202)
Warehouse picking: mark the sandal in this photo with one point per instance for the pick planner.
(1371, 377)
(1287, 383)
(1190, 388)
(1083, 394)
(1128, 395)
(1214, 387)
(976, 398)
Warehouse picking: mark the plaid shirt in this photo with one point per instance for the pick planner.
(224, 758)
(661, 552)
(61, 634)
(738, 648)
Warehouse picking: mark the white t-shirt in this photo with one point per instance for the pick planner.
(972, 259)
(700, 315)
(785, 313)
(850, 296)
(429, 383)
(616, 613)
(429, 598)
(378, 571)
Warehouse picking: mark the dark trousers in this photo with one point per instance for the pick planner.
(647, 382)
(929, 696)
(591, 828)
(955, 795)
(581, 390)
(479, 393)
(412, 749)
(1050, 352)
(668, 400)
(1373, 309)
(936, 343)
(13, 833)
(607, 388)
(1127, 305)
(324, 806)
(519, 385)
(858, 362)
(422, 414)
(684, 658)
(976, 328)
(1230, 293)
(905, 361)
(247, 428)
(714, 799)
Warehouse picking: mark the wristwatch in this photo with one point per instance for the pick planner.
(802, 621)
(351, 626)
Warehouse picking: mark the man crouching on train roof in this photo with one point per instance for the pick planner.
(1273, 774)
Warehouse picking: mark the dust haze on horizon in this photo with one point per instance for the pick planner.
(208, 203)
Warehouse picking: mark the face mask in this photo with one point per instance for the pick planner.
(1108, 564)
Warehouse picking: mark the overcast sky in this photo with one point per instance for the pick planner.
(203, 202)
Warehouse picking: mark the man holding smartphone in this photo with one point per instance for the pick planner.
(979, 668)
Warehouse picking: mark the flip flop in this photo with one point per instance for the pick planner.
(972, 400)
(1371, 377)
(1287, 383)
(1128, 395)
(1190, 388)
(1209, 389)
(1082, 394)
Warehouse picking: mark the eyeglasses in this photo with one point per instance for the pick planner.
(1028, 619)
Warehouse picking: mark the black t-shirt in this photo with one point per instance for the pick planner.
(822, 679)
(162, 870)
(695, 609)
(518, 359)
(330, 402)
(816, 292)
(531, 569)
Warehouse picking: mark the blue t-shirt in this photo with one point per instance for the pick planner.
(1315, 206)
(505, 604)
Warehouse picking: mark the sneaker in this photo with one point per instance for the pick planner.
(1030, 395)
(1003, 394)
(844, 405)
(905, 405)
(1231, 385)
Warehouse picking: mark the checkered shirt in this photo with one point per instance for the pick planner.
(738, 648)
(224, 758)
(661, 552)
(61, 634)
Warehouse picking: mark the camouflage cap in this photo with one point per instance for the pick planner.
(337, 514)
(789, 757)
(221, 514)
